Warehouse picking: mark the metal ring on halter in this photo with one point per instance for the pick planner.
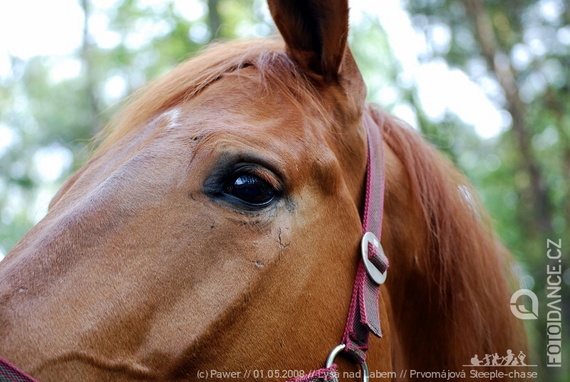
(336, 351)
(374, 273)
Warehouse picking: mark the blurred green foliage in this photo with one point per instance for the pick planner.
(526, 44)
(50, 107)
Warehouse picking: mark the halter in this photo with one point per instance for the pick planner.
(10, 373)
(363, 314)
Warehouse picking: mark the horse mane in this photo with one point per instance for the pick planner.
(467, 268)
(275, 70)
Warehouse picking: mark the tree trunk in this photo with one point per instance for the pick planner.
(562, 126)
(90, 77)
(214, 18)
(500, 64)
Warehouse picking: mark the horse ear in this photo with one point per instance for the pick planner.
(315, 32)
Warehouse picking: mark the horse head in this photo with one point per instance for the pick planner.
(217, 227)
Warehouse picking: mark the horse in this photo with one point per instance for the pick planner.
(215, 231)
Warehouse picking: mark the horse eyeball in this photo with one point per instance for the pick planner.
(251, 189)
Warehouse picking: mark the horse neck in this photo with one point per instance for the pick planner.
(447, 285)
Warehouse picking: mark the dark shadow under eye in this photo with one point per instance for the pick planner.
(250, 189)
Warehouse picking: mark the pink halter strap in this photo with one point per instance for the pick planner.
(363, 314)
(10, 373)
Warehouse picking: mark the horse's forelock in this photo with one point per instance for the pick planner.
(275, 69)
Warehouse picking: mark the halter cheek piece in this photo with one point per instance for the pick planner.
(363, 314)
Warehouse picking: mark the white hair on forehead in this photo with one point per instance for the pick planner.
(172, 117)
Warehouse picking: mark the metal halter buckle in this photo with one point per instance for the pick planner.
(374, 273)
(336, 351)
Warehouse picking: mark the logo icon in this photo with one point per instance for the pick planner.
(509, 359)
(519, 309)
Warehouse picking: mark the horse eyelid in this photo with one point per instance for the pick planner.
(263, 174)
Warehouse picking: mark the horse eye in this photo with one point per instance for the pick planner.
(250, 189)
